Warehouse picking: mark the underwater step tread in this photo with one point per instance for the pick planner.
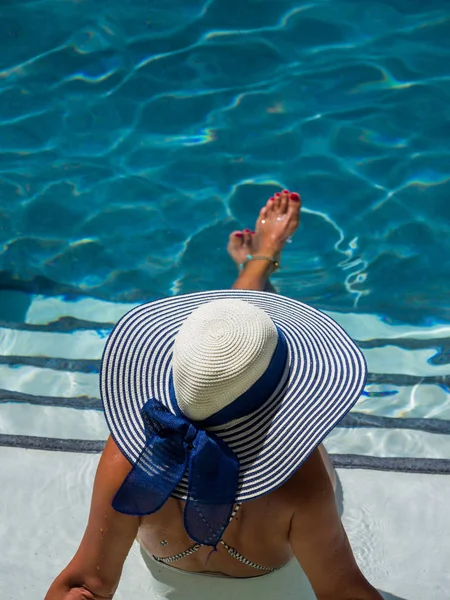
(350, 421)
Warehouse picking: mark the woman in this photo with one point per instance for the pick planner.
(217, 404)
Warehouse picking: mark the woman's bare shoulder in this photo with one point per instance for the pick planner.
(314, 478)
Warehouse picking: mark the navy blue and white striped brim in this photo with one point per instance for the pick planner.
(324, 378)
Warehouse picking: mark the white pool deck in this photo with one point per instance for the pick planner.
(398, 524)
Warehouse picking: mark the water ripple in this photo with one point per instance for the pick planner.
(134, 139)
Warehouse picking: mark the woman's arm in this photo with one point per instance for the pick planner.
(318, 539)
(95, 570)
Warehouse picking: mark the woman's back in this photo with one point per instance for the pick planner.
(260, 530)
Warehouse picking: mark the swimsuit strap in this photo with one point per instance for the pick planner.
(238, 556)
(179, 556)
(231, 551)
(235, 511)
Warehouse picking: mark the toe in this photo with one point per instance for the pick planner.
(262, 218)
(295, 202)
(247, 237)
(284, 202)
(267, 206)
(263, 212)
(236, 239)
(275, 204)
(295, 205)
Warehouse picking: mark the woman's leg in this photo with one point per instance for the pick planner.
(277, 221)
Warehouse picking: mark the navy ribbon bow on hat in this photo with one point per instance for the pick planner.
(173, 443)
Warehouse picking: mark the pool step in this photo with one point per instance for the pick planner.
(49, 374)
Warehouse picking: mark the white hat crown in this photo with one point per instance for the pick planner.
(220, 351)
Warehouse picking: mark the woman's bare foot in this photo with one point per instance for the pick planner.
(277, 221)
(240, 244)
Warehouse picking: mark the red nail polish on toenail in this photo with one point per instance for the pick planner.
(247, 230)
(295, 197)
(253, 232)
(272, 199)
(238, 235)
(285, 191)
(277, 195)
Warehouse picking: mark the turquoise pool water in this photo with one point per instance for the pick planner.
(135, 136)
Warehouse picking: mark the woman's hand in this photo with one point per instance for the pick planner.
(62, 593)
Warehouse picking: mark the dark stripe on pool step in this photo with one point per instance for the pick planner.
(79, 402)
(61, 325)
(432, 466)
(358, 420)
(73, 365)
(429, 466)
(408, 380)
(408, 343)
(31, 442)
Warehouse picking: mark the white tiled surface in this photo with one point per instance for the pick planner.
(398, 524)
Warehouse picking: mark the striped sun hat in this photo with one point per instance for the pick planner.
(219, 397)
